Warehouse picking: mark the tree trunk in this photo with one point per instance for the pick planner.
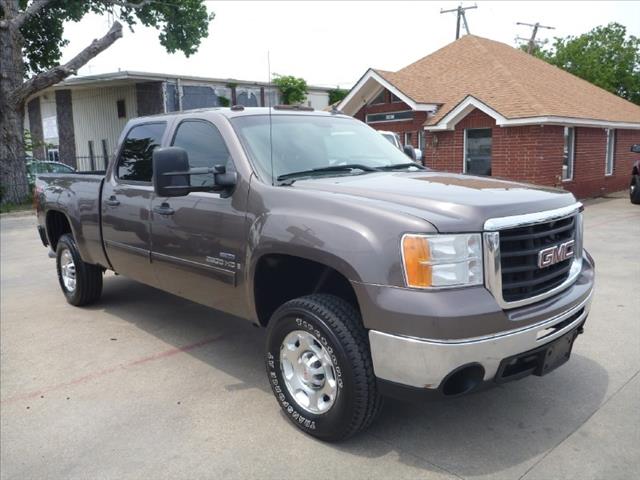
(13, 175)
(14, 92)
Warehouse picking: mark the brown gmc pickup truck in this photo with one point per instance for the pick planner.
(373, 275)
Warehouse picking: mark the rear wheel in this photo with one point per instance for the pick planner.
(634, 189)
(319, 366)
(81, 282)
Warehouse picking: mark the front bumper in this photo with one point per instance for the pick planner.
(426, 363)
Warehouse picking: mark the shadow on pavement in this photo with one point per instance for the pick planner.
(483, 433)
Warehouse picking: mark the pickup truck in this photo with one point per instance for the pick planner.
(374, 276)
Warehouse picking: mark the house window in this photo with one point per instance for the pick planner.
(610, 152)
(389, 117)
(407, 138)
(378, 99)
(122, 109)
(477, 151)
(568, 153)
(394, 98)
(421, 142)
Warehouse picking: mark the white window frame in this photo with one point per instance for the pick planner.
(610, 151)
(404, 137)
(572, 152)
(421, 140)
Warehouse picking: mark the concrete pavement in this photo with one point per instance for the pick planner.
(146, 385)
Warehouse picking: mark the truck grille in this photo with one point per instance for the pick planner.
(519, 248)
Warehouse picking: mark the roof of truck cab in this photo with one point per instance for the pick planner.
(233, 113)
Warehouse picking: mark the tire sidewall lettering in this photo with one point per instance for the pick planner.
(297, 415)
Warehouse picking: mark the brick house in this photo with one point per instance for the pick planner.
(483, 107)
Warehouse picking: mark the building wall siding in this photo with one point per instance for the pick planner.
(95, 117)
(533, 154)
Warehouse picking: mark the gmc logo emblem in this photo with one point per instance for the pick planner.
(552, 255)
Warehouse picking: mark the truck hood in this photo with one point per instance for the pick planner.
(450, 202)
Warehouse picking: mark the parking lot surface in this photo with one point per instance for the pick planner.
(147, 385)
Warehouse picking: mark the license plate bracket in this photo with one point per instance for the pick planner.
(539, 361)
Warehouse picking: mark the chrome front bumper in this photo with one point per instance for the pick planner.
(425, 363)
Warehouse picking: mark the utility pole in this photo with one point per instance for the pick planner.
(532, 42)
(460, 11)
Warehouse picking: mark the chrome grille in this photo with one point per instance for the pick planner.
(513, 243)
(519, 249)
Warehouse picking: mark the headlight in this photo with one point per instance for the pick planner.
(442, 260)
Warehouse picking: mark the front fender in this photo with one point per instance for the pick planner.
(360, 240)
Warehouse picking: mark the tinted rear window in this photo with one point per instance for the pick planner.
(134, 163)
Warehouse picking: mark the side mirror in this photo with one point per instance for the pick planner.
(410, 152)
(172, 175)
(171, 172)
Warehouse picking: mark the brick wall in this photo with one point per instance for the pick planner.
(589, 179)
(534, 154)
(401, 127)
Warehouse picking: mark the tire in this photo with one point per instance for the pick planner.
(634, 190)
(331, 329)
(87, 285)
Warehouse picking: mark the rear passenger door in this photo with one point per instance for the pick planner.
(126, 203)
(198, 240)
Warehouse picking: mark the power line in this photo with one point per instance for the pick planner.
(461, 15)
(531, 41)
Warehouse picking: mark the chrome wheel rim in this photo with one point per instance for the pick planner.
(308, 372)
(68, 270)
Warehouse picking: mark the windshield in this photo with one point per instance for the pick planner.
(302, 143)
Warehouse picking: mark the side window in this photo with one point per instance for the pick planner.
(134, 163)
(205, 148)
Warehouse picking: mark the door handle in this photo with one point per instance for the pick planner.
(164, 209)
(112, 202)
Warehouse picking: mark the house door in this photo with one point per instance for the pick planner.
(477, 151)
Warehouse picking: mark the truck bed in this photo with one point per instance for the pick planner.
(77, 195)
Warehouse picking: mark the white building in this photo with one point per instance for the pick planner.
(79, 120)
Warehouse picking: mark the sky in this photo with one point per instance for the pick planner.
(333, 43)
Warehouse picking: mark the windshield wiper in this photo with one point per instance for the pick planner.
(333, 168)
(402, 166)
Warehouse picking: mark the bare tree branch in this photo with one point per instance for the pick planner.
(59, 73)
(31, 10)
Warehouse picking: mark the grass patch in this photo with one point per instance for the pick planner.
(16, 207)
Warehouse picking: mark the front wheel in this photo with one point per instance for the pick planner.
(319, 367)
(634, 189)
(81, 282)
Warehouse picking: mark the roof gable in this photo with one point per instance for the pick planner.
(508, 81)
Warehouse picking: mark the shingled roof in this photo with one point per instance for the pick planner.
(510, 82)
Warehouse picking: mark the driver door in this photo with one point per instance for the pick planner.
(197, 241)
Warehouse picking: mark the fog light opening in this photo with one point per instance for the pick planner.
(463, 380)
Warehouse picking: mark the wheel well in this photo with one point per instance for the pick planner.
(280, 278)
(57, 225)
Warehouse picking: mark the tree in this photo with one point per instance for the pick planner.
(292, 89)
(605, 56)
(31, 42)
(337, 94)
